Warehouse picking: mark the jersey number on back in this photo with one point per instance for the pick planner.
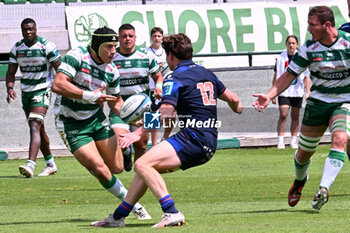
(207, 92)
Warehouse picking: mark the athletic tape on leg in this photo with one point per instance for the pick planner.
(35, 116)
(308, 144)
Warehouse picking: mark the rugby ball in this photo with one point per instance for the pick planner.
(134, 107)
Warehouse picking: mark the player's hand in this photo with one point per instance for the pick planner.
(274, 101)
(103, 97)
(262, 102)
(307, 95)
(125, 140)
(158, 93)
(11, 94)
(138, 123)
(239, 109)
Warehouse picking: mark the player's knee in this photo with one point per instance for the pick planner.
(33, 116)
(117, 169)
(283, 117)
(100, 170)
(308, 144)
(139, 166)
(339, 139)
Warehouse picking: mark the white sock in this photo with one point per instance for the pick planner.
(31, 164)
(280, 139)
(118, 190)
(331, 169)
(293, 139)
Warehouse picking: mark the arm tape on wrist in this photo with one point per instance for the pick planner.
(159, 85)
(91, 96)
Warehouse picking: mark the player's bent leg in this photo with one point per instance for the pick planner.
(111, 154)
(140, 146)
(123, 129)
(89, 157)
(308, 141)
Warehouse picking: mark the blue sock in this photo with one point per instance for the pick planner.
(167, 204)
(348, 155)
(122, 211)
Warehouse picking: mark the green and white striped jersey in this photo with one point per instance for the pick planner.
(34, 63)
(135, 70)
(87, 75)
(329, 68)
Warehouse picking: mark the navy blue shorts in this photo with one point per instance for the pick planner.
(193, 148)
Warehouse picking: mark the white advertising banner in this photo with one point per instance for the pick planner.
(213, 28)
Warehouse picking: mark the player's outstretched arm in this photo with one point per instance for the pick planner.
(62, 85)
(280, 85)
(232, 101)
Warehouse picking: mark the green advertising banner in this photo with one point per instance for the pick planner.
(213, 28)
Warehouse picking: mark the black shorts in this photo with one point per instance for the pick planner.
(295, 102)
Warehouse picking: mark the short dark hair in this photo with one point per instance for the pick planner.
(179, 45)
(323, 14)
(126, 26)
(27, 21)
(292, 36)
(156, 29)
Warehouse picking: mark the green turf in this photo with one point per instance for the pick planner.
(239, 190)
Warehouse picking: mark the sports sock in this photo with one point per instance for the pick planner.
(168, 204)
(300, 168)
(280, 139)
(31, 164)
(293, 140)
(348, 153)
(332, 167)
(49, 159)
(115, 186)
(123, 210)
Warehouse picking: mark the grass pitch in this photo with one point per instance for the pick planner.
(239, 190)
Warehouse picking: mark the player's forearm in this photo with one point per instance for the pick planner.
(116, 105)
(280, 85)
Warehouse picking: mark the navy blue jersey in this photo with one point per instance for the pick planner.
(193, 91)
(345, 27)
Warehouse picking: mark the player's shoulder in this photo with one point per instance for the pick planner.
(42, 40)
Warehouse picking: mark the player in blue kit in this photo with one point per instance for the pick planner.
(192, 91)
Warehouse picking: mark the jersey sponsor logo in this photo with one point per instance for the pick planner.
(317, 59)
(334, 75)
(85, 70)
(132, 81)
(167, 88)
(315, 47)
(344, 43)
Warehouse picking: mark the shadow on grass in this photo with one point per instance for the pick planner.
(45, 222)
(85, 223)
(13, 177)
(135, 225)
(309, 211)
